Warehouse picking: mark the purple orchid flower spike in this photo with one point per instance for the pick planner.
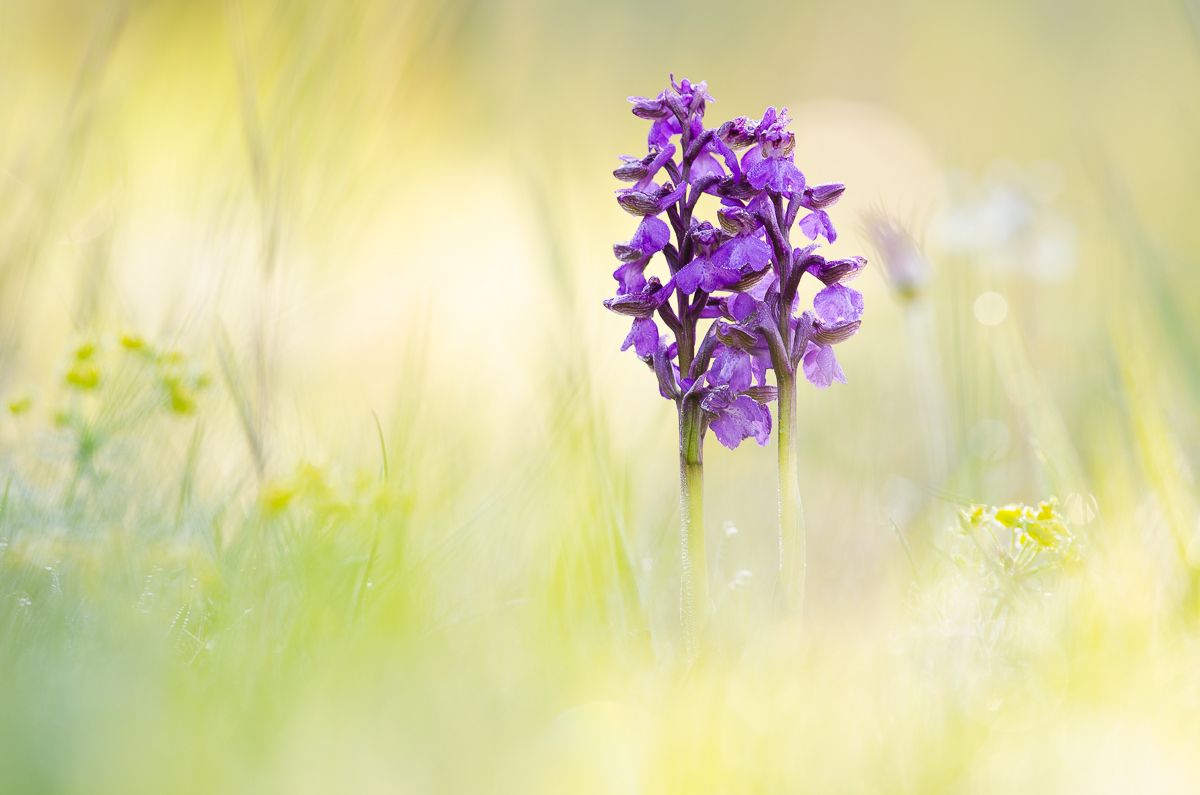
(715, 377)
(743, 275)
(763, 202)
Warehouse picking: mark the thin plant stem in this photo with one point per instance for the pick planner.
(928, 375)
(793, 562)
(694, 605)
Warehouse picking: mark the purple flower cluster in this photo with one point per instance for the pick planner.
(742, 273)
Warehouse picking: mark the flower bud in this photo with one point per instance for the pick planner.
(717, 399)
(818, 197)
(763, 394)
(675, 104)
(835, 333)
(649, 202)
(649, 109)
(738, 220)
(706, 238)
(737, 133)
(838, 271)
(735, 336)
(631, 171)
(702, 139)
(749, 280)
(664, 369)
(638, 203)
(626, 253)
(739, 190)
(803, 330)
(641, 304)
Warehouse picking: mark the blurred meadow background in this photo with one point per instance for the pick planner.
(322, 471)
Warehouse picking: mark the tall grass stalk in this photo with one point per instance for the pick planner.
(931, 393)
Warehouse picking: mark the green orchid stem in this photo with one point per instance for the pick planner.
(792, 554)
(694, 607)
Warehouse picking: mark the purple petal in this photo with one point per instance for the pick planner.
(818, 223)
(660, 159)
(646, 108)
(761, 203)
(742, 252)
(644, 303)
(760, 363)
(690, 276)
(662, 130)
(717, 278)
(741, 306)
(821, 367)
(636, 202)
(838, 304)
(643, 336)
(751, 159)
(743, 418)
(831, 335)
(706, 237)
(731, 366)
(763, 286)
(737, 220)
(652, 236)
(778, 174)
(737, 132)
(631, 276)
(731, 161)
(705, 165)
(672, 197)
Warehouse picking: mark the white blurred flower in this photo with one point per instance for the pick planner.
(1008, 221)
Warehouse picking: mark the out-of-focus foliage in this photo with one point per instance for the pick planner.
(322, 472)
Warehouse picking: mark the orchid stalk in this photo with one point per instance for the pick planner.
(745, 276)
(767, 200)
(701, 262)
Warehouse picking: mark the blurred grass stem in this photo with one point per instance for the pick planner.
(918, 317)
